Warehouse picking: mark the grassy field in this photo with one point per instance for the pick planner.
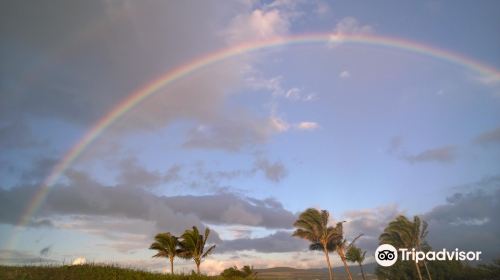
(88, 271)
(93, 271)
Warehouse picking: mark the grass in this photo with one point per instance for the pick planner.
(101, 271)
(89, 271)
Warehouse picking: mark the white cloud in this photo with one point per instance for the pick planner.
(79, 261)
(293, 94)
(278, 125)
(258, 25)
(348, 26)
(307, 125)
(276, 87)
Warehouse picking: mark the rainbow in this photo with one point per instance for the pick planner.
(137, 97)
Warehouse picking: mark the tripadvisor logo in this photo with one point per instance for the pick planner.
(387, 255)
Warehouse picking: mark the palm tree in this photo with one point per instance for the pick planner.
(193, 246)
(355, 255)
(312, 225)
(166, 245)
(403, 233)
(341, 246)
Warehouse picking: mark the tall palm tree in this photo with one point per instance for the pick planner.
(166, 245)
(193, 246)
(403, 233)
(312, 225)
(355, 255)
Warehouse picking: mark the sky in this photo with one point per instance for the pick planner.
(244, 144)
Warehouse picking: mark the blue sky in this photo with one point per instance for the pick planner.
(243, 145)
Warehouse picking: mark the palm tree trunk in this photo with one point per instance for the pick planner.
(340, 251)
(171, 265)
(362, 271)
(418, 271)
(330, 272)
(427, 270)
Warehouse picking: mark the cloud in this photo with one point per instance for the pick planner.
(467, 221)
(370, 223)
(307, 126)
(444, 154)
(45, 251)
(233, 134)
(79, 261)
(132, 174)
(276, 86)
(273, 171)
(84, 196)
(488, 137)
(17, 134)
(258, 25)
(105, 44)
(348, 26)
(351, 26)
(344, 75)
(278, 242)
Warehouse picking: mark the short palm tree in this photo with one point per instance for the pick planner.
(166, 245)
(342, 247)
(356, 255)
(312, 225)
(193, 246)
(403, 233)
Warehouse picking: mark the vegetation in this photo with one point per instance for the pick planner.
(356, 255)
(312, 225)
(167, 246)
(88, 271)
(340, 245)
(192, 246)
(403, 233)
(246, 272)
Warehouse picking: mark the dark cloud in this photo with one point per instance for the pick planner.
(40, 169)
(76, 62)
(468, 221)
(231, 134)
(45, 251)
(278, 242)
(275, 172)
(16, 134)
(441, 154)
(201, 176)
(85, 196)
(488, 137)
(133, 174)
(227, 208)
(370, 223)
(444, 154)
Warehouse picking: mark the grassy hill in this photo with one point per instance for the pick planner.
(91, 271)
